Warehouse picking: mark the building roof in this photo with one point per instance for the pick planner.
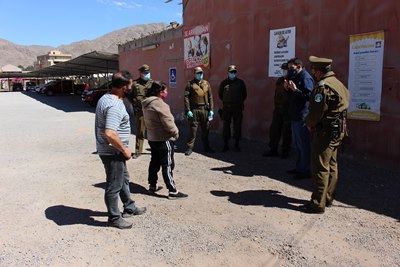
(91, 63)
(10, 68)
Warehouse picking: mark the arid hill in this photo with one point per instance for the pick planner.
(11, 53)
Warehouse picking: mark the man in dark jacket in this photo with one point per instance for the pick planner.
(232, 92)
(300, 84)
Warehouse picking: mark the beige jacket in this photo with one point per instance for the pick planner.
(158, 119)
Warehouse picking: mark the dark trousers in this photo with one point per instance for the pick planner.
(301, 138)
(117, 185)
(236, 115)
(200, 117)
(280, 128)
(162, 155)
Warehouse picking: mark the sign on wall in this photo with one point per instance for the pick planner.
(365, 75)
(196, 41)
(282, 47)
(172, 77)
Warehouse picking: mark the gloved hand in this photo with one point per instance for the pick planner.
(190, 114)
(211, 115)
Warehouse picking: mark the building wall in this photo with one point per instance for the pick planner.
(239, 34)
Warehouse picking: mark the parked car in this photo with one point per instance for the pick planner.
(80, 88)
(39, 88)
(30, 86)
(92, 96)
(59, 87)
(17, 87)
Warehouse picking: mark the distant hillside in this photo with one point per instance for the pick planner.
(14, 54)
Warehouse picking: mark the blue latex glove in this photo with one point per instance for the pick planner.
(210, 115)
(190, 114)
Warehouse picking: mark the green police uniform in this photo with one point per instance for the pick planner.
(198, 99)
(136, 95)
(328, 107)
(281, 121)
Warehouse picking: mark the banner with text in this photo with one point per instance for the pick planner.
(282, 47)
(365, 75)
(196, 41)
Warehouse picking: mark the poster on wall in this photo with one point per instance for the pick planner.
(196, 41)
(365, 75)
(282, 47)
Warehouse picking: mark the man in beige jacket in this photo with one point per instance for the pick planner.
(161, 134)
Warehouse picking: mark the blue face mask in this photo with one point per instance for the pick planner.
(292, 73)
(232, 75)
(199, 76)
(146, 76)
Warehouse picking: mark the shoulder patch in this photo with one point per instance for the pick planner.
(318, 98)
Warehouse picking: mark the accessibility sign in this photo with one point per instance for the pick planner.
(172, 77)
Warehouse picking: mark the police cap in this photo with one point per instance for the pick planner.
(198, 70)
(232, 68)
(285, 66)
(144, 68)
(319, 62)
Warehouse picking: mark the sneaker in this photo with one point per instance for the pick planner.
(136, 155)
(129, 213)
(119, 223)
(154, 189)
(188, 152)
(176, 195)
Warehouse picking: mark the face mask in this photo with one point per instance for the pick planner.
(292, 73)
(199, 76)
(146, 76)
(231, 75)
(163, 95)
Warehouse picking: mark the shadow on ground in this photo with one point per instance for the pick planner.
(64, 215)
(361, 184)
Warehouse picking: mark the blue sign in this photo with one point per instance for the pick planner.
(172, 77)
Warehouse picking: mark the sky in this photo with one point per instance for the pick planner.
(61, 22)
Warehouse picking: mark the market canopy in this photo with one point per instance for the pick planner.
(91, 63)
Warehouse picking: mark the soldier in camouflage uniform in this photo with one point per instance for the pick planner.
(199, 109)
(327, 120)
(136, 96)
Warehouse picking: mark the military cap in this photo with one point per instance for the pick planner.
(319, 62)
(232, 68)
(285, 66)
(198, 70)
(144, 68)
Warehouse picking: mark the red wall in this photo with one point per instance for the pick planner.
(239, 34)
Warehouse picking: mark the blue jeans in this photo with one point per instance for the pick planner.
(301, 140)
(117, 185)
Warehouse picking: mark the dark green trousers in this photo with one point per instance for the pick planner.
(324, 168)
(200, 118)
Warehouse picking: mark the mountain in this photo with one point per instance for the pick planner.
(25, 55)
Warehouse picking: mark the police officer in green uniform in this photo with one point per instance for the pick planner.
(136, 96)
(280, 125)
(232, 92)
(327, 120)
(199, 109)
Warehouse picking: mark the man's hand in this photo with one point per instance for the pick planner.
(127, 153)
(292, 85)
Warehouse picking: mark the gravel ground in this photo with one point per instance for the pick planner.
(241, 211)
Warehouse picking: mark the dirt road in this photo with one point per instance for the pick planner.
(241, 210)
